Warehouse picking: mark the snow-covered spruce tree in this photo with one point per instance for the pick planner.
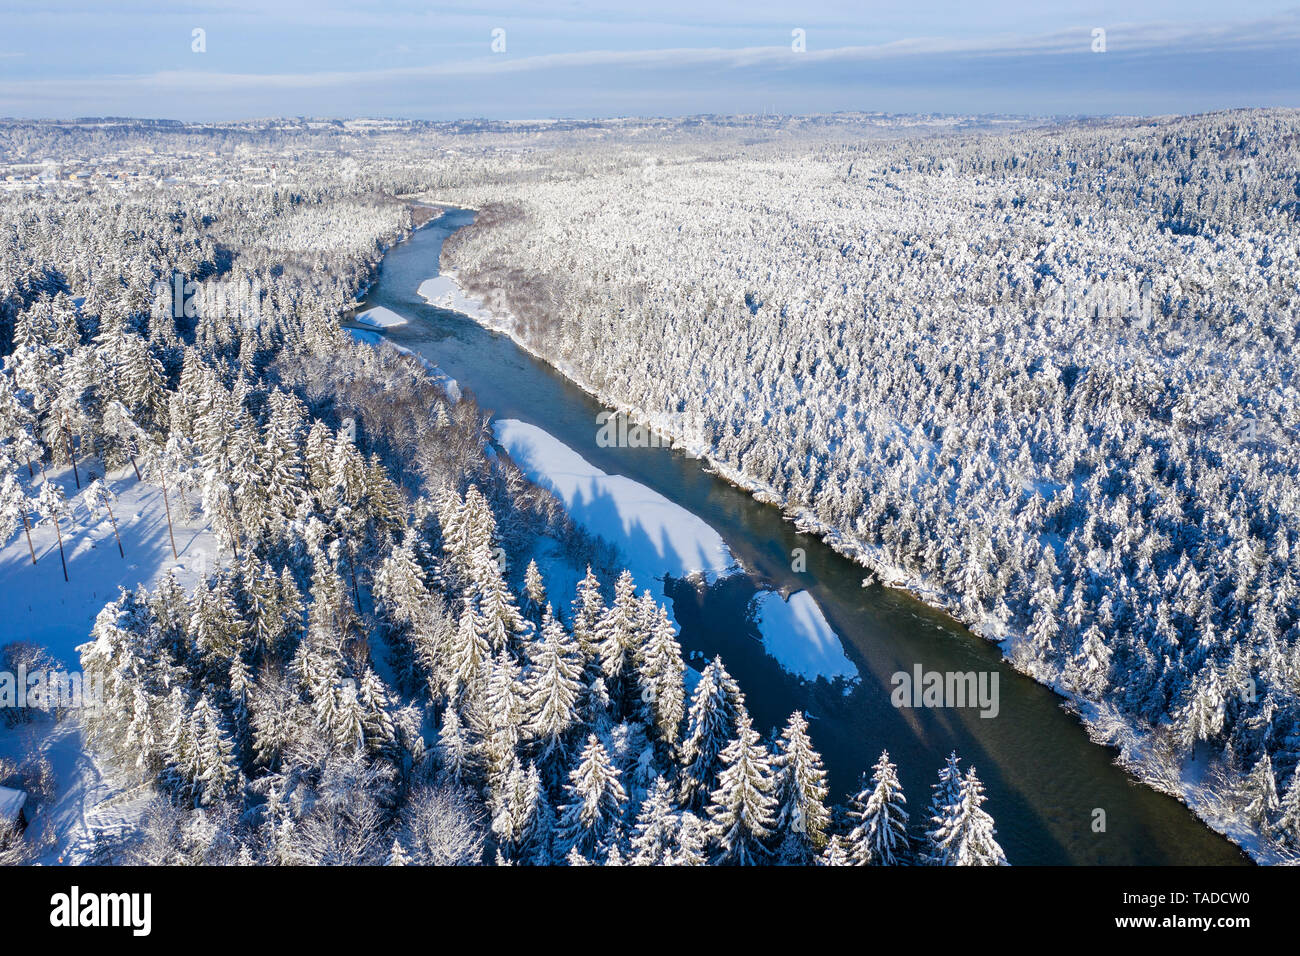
(52, 505)
(655, 839)
(802, 817)
(458, 754)
(553, 690)
(742, 808)
(587, 613)
(946, 793)
(505, 706)
(716, 711)
(966, 836)
(659, 672)
(535, 603)
(15, 505)
(880, 834)
(618, 637)
(591, 818)
(1287, 827)
(1259, 791)
(520, 821)
(836, 853)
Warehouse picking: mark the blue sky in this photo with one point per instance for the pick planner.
(582, 58)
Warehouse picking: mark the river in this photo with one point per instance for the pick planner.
(1045, 779)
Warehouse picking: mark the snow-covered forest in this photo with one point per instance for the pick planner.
(1042, 378)
(373, 670)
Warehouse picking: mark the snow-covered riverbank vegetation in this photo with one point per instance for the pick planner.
(1045, 379)
(370, 669)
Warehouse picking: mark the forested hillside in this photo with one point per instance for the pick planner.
(374, 672)
(1044, 379)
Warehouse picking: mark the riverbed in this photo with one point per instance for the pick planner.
(1046, 781)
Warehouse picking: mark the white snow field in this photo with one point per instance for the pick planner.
(796, 633)
(654, 535)
(379, 318)
(444, 292)
(41, 608)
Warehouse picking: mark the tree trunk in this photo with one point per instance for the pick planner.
(137, 469)
(72, 455)
(166, 504)
(115, 534)
(58, 531)
(28, 528)
(356, 592)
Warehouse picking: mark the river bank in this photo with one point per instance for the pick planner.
(1045, 777)
(1135, 749)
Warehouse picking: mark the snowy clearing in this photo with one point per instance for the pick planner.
(41, 608)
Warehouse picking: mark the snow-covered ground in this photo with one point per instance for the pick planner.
(379, 318)
(655, 536)
(444, 292)
(41, 608)
(796, 633)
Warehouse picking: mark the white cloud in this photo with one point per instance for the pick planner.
(1124, 40)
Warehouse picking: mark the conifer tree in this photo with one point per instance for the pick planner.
(588, 612)
(595, 800)
(210, 769)
(506, 711)
(535, 593)
(880, 836)
(966, 835)
(1261, 793)
(458, 755)
(836, 853)
(52, 505)
(397, 856)
(713, 720)
(553, 688)
(470, 651)
(619, 637)
(742, 808)
(14, 508)
(654, 842)
(660, 679)
(946, 794)
(802, 816)
(99, 497)
(1287, 827)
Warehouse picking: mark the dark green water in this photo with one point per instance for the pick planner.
(1043, 776)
